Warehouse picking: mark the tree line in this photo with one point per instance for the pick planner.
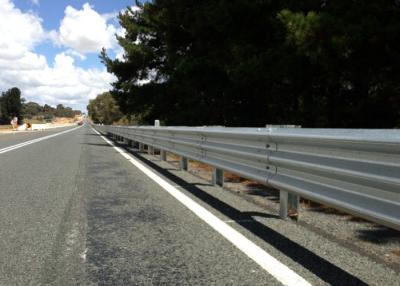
(104, 109)
(13, 105)
(33, 109)
(250, 63)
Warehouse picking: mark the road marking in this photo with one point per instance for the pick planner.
(20, 145)
(239, 220)
(274, 267)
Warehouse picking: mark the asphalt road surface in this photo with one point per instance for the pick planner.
(75, 211)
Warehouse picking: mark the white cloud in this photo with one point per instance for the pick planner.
(61, 81)
(68, 84)
(86, 31)
(75, 54)
(19, 31)
(35, 2)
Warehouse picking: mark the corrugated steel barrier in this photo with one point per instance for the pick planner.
(357, 171)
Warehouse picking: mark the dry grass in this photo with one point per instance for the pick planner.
(396, 252)
(57, 120)
(35, 121)
(200, 166)
(4, 128)
(66, 120)
(232, 178)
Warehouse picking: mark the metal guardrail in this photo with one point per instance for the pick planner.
(357, 171)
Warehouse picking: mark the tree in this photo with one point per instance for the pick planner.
(205, 62)
(31, 109)
(248, 63)
(11, 105)
(352, 49)
(62, 111)
(46, 112)
(104, 109)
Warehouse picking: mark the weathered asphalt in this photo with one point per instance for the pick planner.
(8, 139)
(73, 211)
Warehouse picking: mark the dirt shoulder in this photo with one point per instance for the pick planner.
(5, 128)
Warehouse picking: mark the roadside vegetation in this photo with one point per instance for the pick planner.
(13, 105)
(10, 105)
(251, 63)
(105, 110)
(35, 112)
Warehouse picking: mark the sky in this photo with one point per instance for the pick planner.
(49, 49)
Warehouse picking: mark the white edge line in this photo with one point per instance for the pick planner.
(20, 145)
(274, 267)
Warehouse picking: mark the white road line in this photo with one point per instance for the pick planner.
(20, 145)
(277, 269)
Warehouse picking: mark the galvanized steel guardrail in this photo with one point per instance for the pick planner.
(357, 171)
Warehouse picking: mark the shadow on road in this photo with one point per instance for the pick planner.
(372, 233)
(90, 134)
(325, 270)
(97, 144)
(379, 235)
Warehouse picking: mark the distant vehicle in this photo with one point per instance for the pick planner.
(80, 122)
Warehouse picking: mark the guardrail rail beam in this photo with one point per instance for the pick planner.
(353, 170)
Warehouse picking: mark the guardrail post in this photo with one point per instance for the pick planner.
(163, 155)
(289, 204)
(156, 124)
(141, 147)
(183, 163)
(218, 177)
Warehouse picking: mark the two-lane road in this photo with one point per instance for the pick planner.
(73, 211)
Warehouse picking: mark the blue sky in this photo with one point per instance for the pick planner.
(52, 12)
(49, 48)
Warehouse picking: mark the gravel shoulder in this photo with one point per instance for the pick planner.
(380, 243)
